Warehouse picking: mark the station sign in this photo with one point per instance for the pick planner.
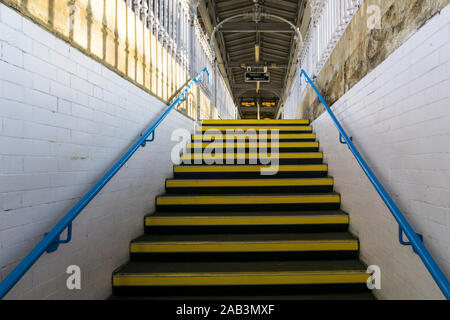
(268, 104)
(247, 103)
(257, 77)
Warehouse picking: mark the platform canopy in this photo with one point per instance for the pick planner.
(264, 41)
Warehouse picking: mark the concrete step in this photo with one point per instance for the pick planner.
(240, 186)
(244, 247)
(250, 202)
(214, 222)
(252, 158)
(249, 171)
(263, 278)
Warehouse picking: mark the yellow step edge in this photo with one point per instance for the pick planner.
(267, 128)
(302, 155)
(250, 182)
(247, 220)
(255, 121)
(254, 136)
(247, 168)
(244, 246)
(256, 278)
(255, 144)
(205, 200)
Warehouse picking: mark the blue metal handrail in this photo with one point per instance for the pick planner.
(51, 240)
(414, 239)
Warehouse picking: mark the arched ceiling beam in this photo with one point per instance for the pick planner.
(256, 15)
(276, 27)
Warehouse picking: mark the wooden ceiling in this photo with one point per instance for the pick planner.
(236, 41)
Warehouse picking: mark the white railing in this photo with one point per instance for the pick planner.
(174, 23)
(329, 19)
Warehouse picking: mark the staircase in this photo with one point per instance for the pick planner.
(227, 231)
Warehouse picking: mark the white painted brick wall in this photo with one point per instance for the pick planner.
(64, 120)
(399, 117)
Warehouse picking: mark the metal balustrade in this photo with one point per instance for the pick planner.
(329, 20)
(174, 23)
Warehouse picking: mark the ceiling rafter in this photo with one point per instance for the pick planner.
(220, 50)
(251, 27)
(236, 40)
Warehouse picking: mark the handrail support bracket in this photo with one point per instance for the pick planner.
(407, 243)
(342, 140)
(52, 247)
(148, 140)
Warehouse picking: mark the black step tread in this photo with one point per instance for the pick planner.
(338, 236)
(248, 214)
(233, 185)
(282, 137)
(240, 267)
(282, 166)
(247, 122)
(259, 195)
(269, 199)
(250, 185)
(327, 296)
(256, 153)
(272, 180)
(199, 144)
(241, 135)
(250, 126)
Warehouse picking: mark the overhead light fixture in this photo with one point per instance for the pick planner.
(268, 104)
(257, 48)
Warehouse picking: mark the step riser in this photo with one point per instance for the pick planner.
(255, 123)
(244, 190)
(224, 131)
(248, 207)
(358, 296)
(281, 161)
(224, 138)
(240, 290)
(249, 129)
(246, 229)
(247, 150)
(250, 175)
(244, 256)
